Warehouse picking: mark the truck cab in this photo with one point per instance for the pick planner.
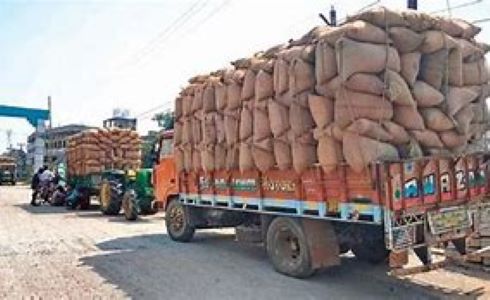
(8, 173)
(164, 172)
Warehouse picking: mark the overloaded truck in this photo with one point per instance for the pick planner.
(8, 173)
(105, 163)
(365, 137)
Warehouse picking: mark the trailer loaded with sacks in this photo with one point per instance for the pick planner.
(366, 137)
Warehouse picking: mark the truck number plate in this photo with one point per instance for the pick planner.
(449, 219)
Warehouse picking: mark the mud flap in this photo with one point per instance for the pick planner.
(460, 245)
(322, 242)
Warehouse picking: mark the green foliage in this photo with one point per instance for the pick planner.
(165, 119)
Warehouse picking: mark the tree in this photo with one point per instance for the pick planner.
(165, 119)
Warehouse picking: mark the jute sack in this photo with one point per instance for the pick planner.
(408, 117)
(300, 119)
(370, 129)
(263, 155)
(197, 99)
(231, 121)
(220, 94)
(410, 64)
(365, 83)
(246, 124)
(474, 73)
(351, 58)
(470, 51)
(478, 112)
(433, 68)
(452, 139)
(220, 156)
(196, 130)
(426, 95)
(282, 153)
(399, 135)
(455, 67)
(427, 138)
(418, 21)
(248, 88)
(264, 85)
(186, 105)
(435, 41)
(330, 88)
(458, 97)
(301, 76)
(233, 92)
(350, 105)
(208, 98)
(436, 120)
(397, 89)
(404, 39)
(209, 131)
(178, 132)
(381, 17)
(303, 150)
(207, 158)
(325, 62)
(278, 117)
(463, 119)
(459, 28)
(220, 128)
(329, 153)
(245, 158)
(321, 108)
(360, 151)
(196, 159)
(261, 124)
(178, 111)
(187, 149)
(187, 131)
(232, 157)
(364, 32)
(281, 76)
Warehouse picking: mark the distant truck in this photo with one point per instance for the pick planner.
(8, 170)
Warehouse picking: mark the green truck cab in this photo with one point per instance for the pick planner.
(8, 173)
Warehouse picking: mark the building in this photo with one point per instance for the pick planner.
(120, 122)
(55, 143)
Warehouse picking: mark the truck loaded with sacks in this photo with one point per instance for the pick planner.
(366, 137)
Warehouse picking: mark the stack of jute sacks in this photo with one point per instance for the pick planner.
(96, 150)
(384, 85)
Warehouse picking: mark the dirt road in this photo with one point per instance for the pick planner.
(50, 252)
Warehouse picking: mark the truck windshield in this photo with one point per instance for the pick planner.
(166, 148)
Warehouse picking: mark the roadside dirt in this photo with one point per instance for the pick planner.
(51, 252)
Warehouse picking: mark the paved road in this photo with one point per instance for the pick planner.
(51, 253)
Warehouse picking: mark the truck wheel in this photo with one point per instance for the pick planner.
(84, 200)
(130, 205)
(288, 249)
(110, 204)
(370, 246)
(177, 222)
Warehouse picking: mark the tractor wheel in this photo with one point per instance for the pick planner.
(288, 249)
(177, 222)
(110, 204)
(130, 205)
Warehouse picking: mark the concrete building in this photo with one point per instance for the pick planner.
(55, 143)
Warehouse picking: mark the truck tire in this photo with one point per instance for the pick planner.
(370, 245)
(130, 205)
(110, 204)
(178, 223)
(288, 249)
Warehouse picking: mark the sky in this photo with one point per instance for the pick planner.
(94, 56)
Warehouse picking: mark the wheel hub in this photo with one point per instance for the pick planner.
(177, 218)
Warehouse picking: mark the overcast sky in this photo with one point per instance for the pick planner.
(94, 56)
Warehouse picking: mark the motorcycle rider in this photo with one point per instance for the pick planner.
(35, 184)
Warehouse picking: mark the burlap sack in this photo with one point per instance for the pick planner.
(404, 39)
(278, 118)
(329, 153)
(196, 159)
(458, 97)
(410, 64)
(178, 111)
(220, 156)
(300, 119)
(246, 124)
(281, 76)
(325, 62)
(365, 83)
(187, 149)
(321, 108)
(360, 151)
(433, 68)
(427, 138)
(350, 106)
(207, 158)
(452, 139)
(233, 92)
(478, 112)
(381, 17)
(232, 157)
(209, 132)
(220, 94)
(197, 99)
(263, 155)
(245, 158)
(330, 88)
(362, 31)
(399, 135)
(282, 153)
(459, 28)
(455, 67)
(425, 95)
(474, 73)
(303, 150)
(470, 51)
(436, 119)
(248, 88)
(408, 117)
(232, 121)
(178, 132)
(261, 124)
(370, 129)
(196, 131)
(463, 118)
(220, 128)
(208, 98)
(351, 58)
(187, 131)
(397, 89)
(264, 85)
(186, 105)
(301, 76)
(435, 41)
(418, 21)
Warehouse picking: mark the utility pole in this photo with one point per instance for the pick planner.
(50, 108)
(9, 139)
